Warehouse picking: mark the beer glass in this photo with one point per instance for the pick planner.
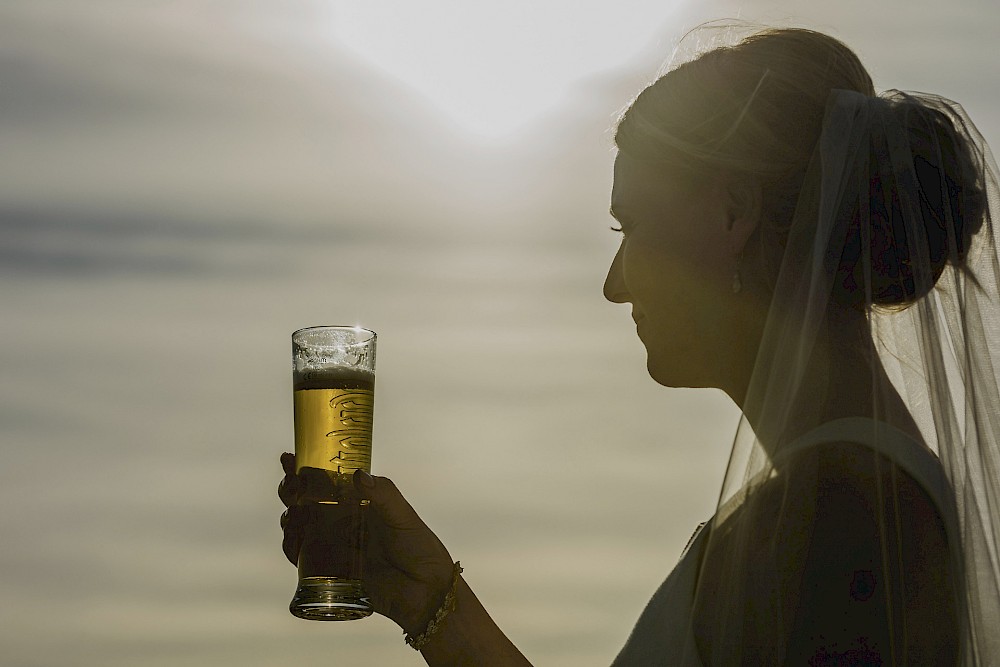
(333, 381)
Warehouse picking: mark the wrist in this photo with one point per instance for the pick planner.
(468, 637)
(415, 601)
(449, 633)
(419, 638)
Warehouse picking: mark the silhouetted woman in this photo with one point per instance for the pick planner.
(826, 256)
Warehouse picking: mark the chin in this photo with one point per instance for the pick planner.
(665, 377)
(671, 375)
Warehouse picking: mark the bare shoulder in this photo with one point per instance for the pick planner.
(878, 566)
(852, 480)
(851, 551)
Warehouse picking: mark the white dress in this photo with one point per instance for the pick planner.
(663, 634)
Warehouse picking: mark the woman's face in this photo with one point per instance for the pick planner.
(675, 266)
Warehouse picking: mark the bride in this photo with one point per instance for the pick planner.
(826, 256)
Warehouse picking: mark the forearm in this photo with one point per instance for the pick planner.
(468, 637)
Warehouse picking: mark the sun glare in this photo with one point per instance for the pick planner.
(493, 67)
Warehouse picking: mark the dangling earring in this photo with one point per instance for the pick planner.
(737, 281)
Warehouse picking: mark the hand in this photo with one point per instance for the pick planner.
(407, 570)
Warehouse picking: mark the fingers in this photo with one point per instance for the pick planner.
(288, 491)
(292, 525)
(289, 486)
(292, 519)
(288, 463)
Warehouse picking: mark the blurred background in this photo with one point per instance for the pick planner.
(184, 183)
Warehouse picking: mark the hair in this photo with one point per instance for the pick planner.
(947, 177)
(755, 110)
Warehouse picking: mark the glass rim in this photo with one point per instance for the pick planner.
(338, 327)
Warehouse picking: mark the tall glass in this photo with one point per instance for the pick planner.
(333, 380)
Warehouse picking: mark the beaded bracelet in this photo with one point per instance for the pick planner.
(446, 608)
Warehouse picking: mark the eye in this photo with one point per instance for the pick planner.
(617, 229)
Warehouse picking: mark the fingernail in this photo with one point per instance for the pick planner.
(364, 479)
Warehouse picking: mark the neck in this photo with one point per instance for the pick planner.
(837, 381)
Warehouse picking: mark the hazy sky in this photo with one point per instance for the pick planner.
(182, 184)
(492, 67)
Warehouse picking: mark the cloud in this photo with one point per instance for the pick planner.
(80, 243)
(188, 111)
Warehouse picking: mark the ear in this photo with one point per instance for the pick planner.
(742, 209)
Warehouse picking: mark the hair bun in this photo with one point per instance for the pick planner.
(925, 202)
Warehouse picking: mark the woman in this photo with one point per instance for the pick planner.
(826, 256)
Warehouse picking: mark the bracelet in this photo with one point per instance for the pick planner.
(447, 607)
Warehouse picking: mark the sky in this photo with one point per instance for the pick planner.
(184, 184)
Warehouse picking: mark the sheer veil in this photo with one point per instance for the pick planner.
(892, 251)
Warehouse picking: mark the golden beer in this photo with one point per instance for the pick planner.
(333, 420)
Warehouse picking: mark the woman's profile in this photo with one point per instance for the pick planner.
(824, 254)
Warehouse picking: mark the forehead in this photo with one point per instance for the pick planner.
(639, 183)
(628, 183)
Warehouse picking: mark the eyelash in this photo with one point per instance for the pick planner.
(616, 229)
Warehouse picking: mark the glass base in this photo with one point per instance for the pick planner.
(330, 599)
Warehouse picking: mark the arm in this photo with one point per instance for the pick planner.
(469, 637)
(408, 573)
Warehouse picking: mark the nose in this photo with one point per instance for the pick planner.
(614, 284)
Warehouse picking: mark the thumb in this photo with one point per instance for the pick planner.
(387, 501)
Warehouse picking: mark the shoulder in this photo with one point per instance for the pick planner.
(877, 574)
(847, 548)
(856, 493)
